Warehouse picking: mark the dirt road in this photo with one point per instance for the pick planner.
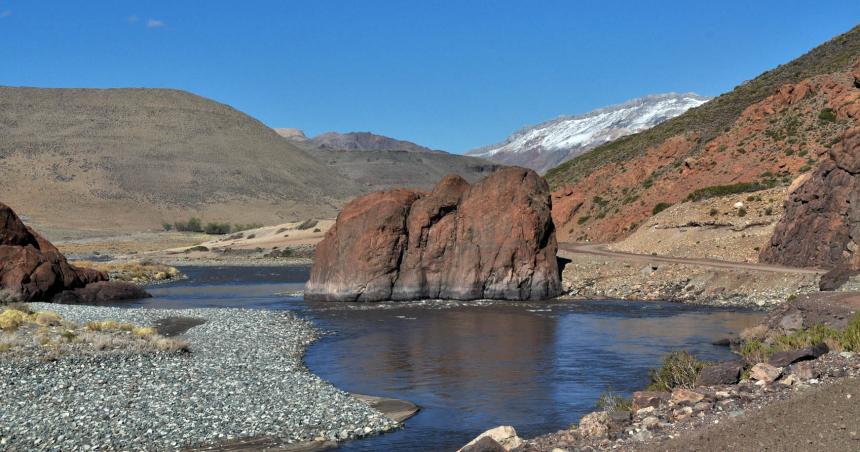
(565, 249)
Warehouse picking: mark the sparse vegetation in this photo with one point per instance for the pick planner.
(583, 219)
(724, 190)
(827, 115)
(610, 400)
(755, 349)
(136, 272)
(660, 207)
(47, 335)
(679, 370)
(200, 248)
(742, 212)
(192, 225)
(217, 228)
(713, 212)
(307, 224)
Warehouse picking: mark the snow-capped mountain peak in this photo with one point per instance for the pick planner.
(548, 144)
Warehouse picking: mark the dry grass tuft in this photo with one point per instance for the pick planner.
(135, 272)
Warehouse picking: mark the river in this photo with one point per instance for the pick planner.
(470, 366)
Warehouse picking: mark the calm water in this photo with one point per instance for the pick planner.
(471, 366)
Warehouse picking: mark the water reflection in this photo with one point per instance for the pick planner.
(471, 366)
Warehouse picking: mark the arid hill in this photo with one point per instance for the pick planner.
(763, 134)
(124, 159)
(375, 162)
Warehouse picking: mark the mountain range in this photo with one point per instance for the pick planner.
(550, 143)
(375, 162)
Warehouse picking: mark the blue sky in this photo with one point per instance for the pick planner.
(451, 75)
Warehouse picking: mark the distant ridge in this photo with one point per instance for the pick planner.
(134, 158)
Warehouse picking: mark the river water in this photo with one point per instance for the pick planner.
(470, 366)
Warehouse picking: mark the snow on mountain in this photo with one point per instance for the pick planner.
(546, 145)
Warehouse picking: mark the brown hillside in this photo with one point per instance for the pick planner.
(771, 143)
(132, 158)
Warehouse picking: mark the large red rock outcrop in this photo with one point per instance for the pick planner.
(32, 267)
(494, 239)
(821, 225)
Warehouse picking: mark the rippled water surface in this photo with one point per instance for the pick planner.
(471, 366)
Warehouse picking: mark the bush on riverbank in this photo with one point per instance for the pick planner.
(679, 370)
(758, 350)
(46, 335)
(141, 272)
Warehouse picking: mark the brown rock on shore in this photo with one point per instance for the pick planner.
(32, 267)
(494, 239)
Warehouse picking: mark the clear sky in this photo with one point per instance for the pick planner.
(451, 75)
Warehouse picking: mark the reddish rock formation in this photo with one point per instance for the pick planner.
(821, 225)
(494, 239)
(35, 270)
(31, 266)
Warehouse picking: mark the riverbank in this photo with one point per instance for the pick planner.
(243, 377)
(595, 274)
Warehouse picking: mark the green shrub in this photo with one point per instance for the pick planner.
(192, 225)
(713, 212)
(768, 211)
(679, 370)
(610, 400)
(661, 206)
(307, 224)
(742, 212)
(827, 115)
(723, 190)
(217, 228)
(166, 226)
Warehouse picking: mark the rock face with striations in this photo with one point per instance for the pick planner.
(494, 239)
(33, 269)
(821, 225)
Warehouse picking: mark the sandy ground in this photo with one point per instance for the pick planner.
(712, 228)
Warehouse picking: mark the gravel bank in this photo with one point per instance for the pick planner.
(244, 377)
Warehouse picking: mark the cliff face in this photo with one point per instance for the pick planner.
(494, 239)
(821, 225)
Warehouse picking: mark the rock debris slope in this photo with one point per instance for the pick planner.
(494, 239)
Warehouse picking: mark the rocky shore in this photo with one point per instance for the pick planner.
(598, 277)
(242, 377)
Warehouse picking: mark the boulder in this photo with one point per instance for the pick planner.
(504, 435)
(494, 239)
(681, 396)
(32, 267)
(101, 292)
(643, 399)
(484, 444)
(594, 425)
(782, 359)
(724, 373)
(765, 373)
(822, 216)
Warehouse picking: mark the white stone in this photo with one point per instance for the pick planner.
(505, 435)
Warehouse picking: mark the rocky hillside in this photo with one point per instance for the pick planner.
(546, 145)
(763, 134)
(134, 158)
(353, 141)
(384, 163)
